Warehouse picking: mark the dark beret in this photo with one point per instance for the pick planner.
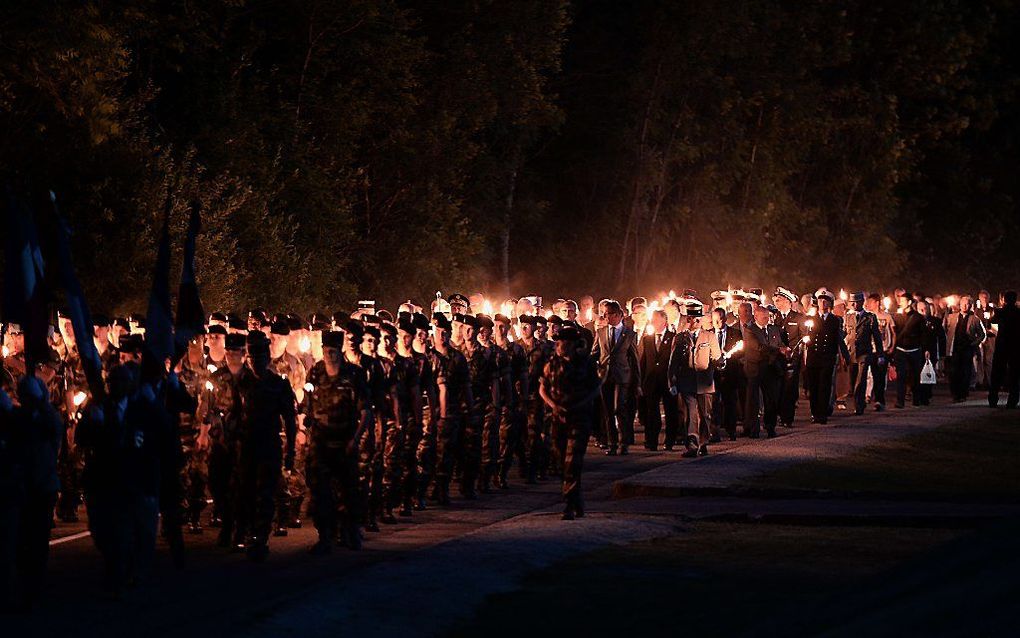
(121, 322)
(356, 328)
(236, 341)
(333, 339)
(501, 318)
(321, 326)
(258, 346)
(567, 333)
(420, 321)
(528, 319)
(389, 329)
(217, 330)
(471, 320)
(218, 316)
(280, 328)
(384, 315)
(442, 321)
(540, 320)
(341, 317)
(373, 331)
(237, 323)
(407, 325)
(556, 320)
(131, 343)
(484, 321)
(100, 321)
(294, 322)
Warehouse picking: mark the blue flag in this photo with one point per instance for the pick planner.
(24, 291)
(78, 309)
(159, 335)
(190, 315)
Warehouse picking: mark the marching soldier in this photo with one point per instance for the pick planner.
(401, 382)
(791, 330)
(537, 354)
(224, 425)
(499, 363)
(453, 385)
(515, 389)
(481, 371)
(568, 387)
(194, 375)
(337, 413)
(428, 411)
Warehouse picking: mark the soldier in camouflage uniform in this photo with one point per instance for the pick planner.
(513, 418)
(291, 492)
(481, 371)
(453, 385)
(427, 413)
(359, 348)
(537, 352)
(498, 407)
(569, 386)
(71, 462)
(405, 400)
(194, 375)
(223, 418)
(269, 406)
(411, 411)
(337, 413)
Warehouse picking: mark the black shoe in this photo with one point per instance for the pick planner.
(733, 436)
(388, 518)
(294, 523)
(771, 434)
(703, 450)
(715, 439)
(611, 451)
(879, 407)
(215, 521)
(668, 447)
(568, 515)
(195, 528)
(690, 453)
(321, 548)
(280, 531)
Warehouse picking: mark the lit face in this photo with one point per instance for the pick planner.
(235, 359)
(458, 308)
(332, 356)
(216, 342)
(672, 313)
(855, 305)
(568, 311)
(503, 330)
(902, 301)
(871, 305)
(468, 332)
(485, 334)
(965, 304)
(718, 318)
(706, 322)
(195, 352)
(658, 321)
(527, 330)
(406, 339)
(824, 305)
(525, 307)
(441, 335)
(761, 316)
(782, 303)
(368, 344)
(564, 347)
(614, 317)
(983, 299)
(422, 337)
(277, 345)
(922, 307)
(744, 313)
(640, 315)
(102, 334)
(389, 341)
(67, 331)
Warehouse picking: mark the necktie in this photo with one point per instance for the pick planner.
(658, 341)
(720, 339)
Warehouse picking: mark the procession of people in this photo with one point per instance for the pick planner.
(354, 420)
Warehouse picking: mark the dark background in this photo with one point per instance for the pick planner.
(389, 149)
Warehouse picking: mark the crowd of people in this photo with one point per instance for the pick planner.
(359, 419)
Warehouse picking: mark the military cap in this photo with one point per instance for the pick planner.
(294, 322)
(442, 321)
(341, 317)
(333, 340)
(235, 341)
(567, 333)
(217, 330)
(122, 322)
(258, 313)
(237, 323)
(355, 327)
(484, 321)
(784, 292)
(824, 293)
(321, 326)
(719, 295)
(389, 329)
(690, 293)
(373, 331)
(218, 316)
(131, 343)
(99, 321)
(385, 315)
(458, 317)
(280, 328)
(501, 318)
(858, 296)
(458, 299)
(64, 312)
(540, 320)
(371, 320)
(693, 308)
(407, 325)
(555, 320)
(470, 320)
(528, 319)
(420, 321)
(258, 346)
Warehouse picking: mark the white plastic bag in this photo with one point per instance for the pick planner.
(928, 373)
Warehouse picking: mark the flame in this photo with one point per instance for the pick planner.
(6, 352)
(506, 308)
(487, 307)
(309, 387)
(588, 315)
(653, 306)
(548, 313)
(649, 328)
(209, 386)
(806, 339)
(812, 311)
(305, 345)
(211, 368)
(843, 295)
(79, 398)
(672, 294)
(809, 324)
(952, 300)
(988, 315)
(887, 302)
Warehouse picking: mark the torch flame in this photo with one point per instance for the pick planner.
(737, 347)
(6, 352)
(809, 324)
(887, 302)
(209, 386)
(588, 315)
(79, 398)
(305, 345)
(843, 295)
(211, 368)
(309, 387)
(649, 329)
(487, 307)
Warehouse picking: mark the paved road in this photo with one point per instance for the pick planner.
(442, 559)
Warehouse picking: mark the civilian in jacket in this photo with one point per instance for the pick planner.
(653, 355)
(865, 347)
(825, 346)
(933, 344)
(615, 354)
(763, 363)
(909, 358)
(1006, 357)
(964, 335)
(727, 377)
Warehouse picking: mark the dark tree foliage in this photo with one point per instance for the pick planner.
(392, 148)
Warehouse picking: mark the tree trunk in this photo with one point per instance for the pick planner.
(508, 221)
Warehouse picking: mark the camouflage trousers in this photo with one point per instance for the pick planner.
(388, 465)
(511, 427)
(426, 453)
(331, 473)
(449, 430)
(193, 483)
(572, 434)
(290, 495)
(537, 439)
(490, 443)
(69, 468)
(366, 470)
(411, 478)
(469, 452)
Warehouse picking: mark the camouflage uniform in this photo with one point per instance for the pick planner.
(291, 493)
(70, 461)
(400, 423)
(224, 417)
(514, 418)
(497, 418)
(536, 440)
(335, 409)
(196, 462)
(482, 373)
(451, 377)
(371, 486)
(567, 382)
(421, 445)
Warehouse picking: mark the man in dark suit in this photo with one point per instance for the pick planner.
(727, 377)
(653, 356)
(615, 352)
(761, 360)
(864, 343)
(790, 325)
(825, 346)
(1006, 358)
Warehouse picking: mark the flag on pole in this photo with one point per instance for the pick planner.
(190, 315)
(78, 308)
(24, 296)
(159, 335)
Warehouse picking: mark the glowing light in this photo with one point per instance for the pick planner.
(506, 308)
(812, 311)
(309, 387)
(588, 314)
(887, 303)
(672, 294)
(548, 313)
(283, 376)
(809, 324)
(6, 352)
(209, 386)
(988, 315)
(211, 368)
(649, 329)
(305, 345)
(737, 347)
(843, 295)
(79, 398)
(487, 307)
(952, 300)
(806, 339)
